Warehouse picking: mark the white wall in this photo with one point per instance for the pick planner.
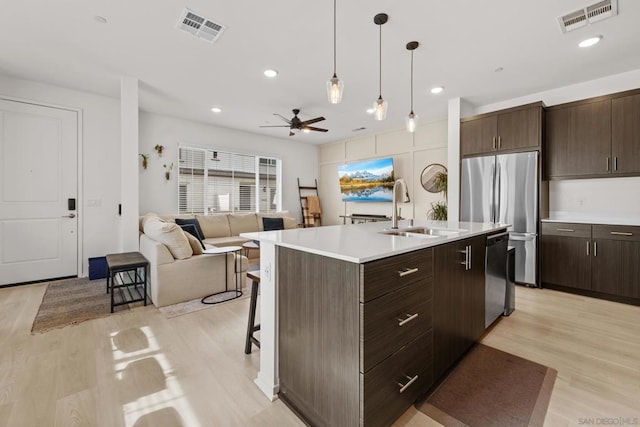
(411, 154)
(607, 195)
(159, 195)
(100, 164)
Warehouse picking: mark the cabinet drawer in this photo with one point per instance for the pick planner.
(617, 232)
(387, 274)
(393, 320)
(392, 386)
(566, 229)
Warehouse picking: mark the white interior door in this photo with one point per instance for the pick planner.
(38, 175)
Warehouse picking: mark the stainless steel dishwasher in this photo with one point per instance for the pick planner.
(495, 276)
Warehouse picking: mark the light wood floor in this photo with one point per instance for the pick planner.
(138, 368)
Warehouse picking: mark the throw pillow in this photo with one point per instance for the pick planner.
(192, 231)
(196, 244)
(194, 222)
(170, 235)
(271, 224)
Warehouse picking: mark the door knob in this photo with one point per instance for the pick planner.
(71, 215)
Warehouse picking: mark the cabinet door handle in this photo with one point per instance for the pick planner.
(615, 163)
(403, 387)
(466, 258)
(410, 317)
(469, 257)
(568, 230)
(588, 244)
(499, 142)
(407, 271)
(595, 248)
(607, 164)
(494, 143)
(620, 233)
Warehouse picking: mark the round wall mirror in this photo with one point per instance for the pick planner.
(431, 178)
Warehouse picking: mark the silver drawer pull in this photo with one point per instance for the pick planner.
(406, 386)
(620, 233)
(568, 230)
(407, 271)
(409, 318)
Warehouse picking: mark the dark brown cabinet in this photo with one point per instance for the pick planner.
(602, 259)
(355, 340)
(625, 135)
(597, 137)
(517, 129)
(615, 264)
(565, 251)
(459, 291)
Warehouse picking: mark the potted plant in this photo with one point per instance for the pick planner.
(145, 160)
(167, 171)
(159, 148)
(438, 210)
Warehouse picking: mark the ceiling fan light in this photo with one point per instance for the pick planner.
(380, 107)
(335, 87)
(411, 121)
(306, 130)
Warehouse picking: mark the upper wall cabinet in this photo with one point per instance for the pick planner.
(625, 134)
(597, 137)
(512, 130)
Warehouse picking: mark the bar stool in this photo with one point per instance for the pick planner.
(254, 275)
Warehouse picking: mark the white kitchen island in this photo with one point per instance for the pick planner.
(352, 243)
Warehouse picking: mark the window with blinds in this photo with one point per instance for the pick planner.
(213, 181)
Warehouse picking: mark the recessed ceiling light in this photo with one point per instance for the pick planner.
(216, 109)
(437, 89)
(100, 19)
(590, 41)
(271, 73)
(371, 110)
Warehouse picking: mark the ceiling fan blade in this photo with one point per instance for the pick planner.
(311, 121)
(282, 117)
(291, 133)
(315, 128)
(274, 126)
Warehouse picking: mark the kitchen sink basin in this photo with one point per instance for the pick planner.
(424, 232)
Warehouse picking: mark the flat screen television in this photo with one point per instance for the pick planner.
(367, 180)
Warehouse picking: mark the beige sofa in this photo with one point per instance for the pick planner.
(179, 271)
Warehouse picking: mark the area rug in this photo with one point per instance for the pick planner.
(71, 301)
(194, 305)
(492, 388)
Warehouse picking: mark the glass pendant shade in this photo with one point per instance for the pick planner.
(335, 87)
(411, 122)
(380, 107)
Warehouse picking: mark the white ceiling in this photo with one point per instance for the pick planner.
(462, 42)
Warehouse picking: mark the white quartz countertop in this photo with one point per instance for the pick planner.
(594, 218)
(361, 243)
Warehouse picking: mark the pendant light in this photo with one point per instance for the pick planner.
(380, 105)
(412, 118)
(335, 86)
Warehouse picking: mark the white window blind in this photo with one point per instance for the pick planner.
(213, 181)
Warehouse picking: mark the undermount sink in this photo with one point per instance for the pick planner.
(424, 232)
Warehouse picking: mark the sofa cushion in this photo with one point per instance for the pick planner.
(144, 218)
(191, 221)
(243, 223)
(169, 234)
(196, 244)
(226, 241)
(216, 225)
(191, 231)
(289, 222)
(270, 224)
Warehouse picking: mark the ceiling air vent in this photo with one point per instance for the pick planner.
(588, 15)
(199, 26)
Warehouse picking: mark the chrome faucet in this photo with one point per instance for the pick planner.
(405, 198)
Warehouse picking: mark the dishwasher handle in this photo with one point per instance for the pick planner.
(497, 238)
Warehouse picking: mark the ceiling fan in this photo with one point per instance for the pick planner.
(296, 124)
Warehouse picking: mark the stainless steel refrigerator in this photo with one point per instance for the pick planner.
(504, 189)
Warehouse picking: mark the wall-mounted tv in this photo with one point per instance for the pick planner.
(367, 181)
